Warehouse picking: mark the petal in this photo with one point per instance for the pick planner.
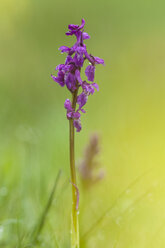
(77, 125)
(73, 26)
(64, 49)
(73, 49)
(82, 99)
(53, 77)
(60, 67)
(68, 59)
(76, 115)
(59, 79)
(98, 60)
(88, 88)
(68, 105)
(78, 77)
(90, 72)
(81, 50)
(75, 29)
(78, 60)
(96, 86)
(82, 110)
(82, 24)
(70, 81)
(85, 36)
(69, 33)
(69, 115)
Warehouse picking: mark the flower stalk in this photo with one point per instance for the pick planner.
(74, 214)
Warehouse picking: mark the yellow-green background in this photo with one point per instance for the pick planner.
(128, 112)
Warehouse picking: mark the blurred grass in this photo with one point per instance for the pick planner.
(128, 111)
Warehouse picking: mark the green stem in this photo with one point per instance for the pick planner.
(74, 215)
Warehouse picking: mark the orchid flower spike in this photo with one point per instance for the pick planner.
(69, 73)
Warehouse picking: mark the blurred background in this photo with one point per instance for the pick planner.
(126, 209)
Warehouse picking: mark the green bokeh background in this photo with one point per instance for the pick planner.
(128, 113)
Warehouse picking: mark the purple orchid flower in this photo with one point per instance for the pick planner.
(69, 73)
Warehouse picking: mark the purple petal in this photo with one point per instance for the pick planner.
(78, 60)
(69, 115)
(53, 77)
(82, 24)
(88, 88)
(68, 105)
(85, 36)
(73, 26)
(70, 81)
(69, 33)
(59, 79)
(96, 86)
(74, 47)
(68, 59)
(78, 77)
(98, 60)
(82, 110)
(75, 29)
(77, 125)
(64, 49)
(76, 115)
(82, 99)
(90, 72)
(60, 67)
(67, 67)
(80, 50)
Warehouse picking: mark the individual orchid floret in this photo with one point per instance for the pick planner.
(89, 88)
(77, 125)
(68, 105)
(74, 29)
(69, 73)
(59, 79)
(64, 49)
(82, 99)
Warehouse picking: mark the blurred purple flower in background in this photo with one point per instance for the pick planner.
(89, 167)
(69, 73)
